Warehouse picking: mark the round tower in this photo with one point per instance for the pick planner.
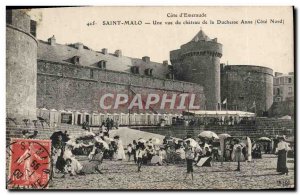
(198, 61)
(21, 66)
(248, 88)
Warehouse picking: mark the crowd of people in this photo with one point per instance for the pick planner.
(99, 146)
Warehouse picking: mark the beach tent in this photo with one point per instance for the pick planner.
(127, 135)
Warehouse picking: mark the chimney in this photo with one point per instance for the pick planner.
(104, 51)
(215, 40)
(79, 46)
(146, 59)
(52, 40)
(278, 74)
(118, 53)
(165, 62)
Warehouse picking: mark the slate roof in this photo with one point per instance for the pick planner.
(65, 53)
(201, 36)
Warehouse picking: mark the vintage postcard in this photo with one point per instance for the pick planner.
(150, 98)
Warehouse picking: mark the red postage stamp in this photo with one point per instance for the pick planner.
(30, 163)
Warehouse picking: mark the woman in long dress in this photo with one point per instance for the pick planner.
(120, 153)
(282, 148)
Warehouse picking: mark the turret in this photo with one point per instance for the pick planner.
(198, 61)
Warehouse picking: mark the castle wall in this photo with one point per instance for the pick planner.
(63, 86)
(21, 67)
(243, 85)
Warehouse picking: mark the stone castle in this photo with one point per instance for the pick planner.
(68, 80)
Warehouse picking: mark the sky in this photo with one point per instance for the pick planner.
(269, 45)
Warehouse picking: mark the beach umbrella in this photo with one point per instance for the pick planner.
(192, 142)
(224, 136)
(208, 134)
(56, 134)
(264, 139)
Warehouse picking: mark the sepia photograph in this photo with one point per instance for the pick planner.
(150, 98)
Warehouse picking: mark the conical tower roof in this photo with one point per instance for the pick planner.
(201, 36)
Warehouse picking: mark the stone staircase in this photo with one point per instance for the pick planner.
(15, 131)
(262, 127)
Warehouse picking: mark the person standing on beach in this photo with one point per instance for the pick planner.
(189, 155)
(282, 149)
(140, 153)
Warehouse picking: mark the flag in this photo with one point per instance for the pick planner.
(225, 101)
(253, 105)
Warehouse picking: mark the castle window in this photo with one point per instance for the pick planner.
(278, 91)
(102, 64)
(149, 72)
(289, 80)
(76, 60)
(135, 70)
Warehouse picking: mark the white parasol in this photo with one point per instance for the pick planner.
(224, 136)
(266, 139)
(208, 134)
